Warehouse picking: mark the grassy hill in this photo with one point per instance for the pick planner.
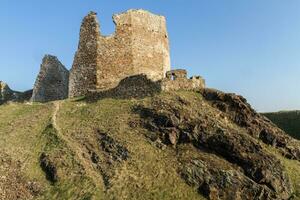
(75, 149)
(289, 121)
(26, 131)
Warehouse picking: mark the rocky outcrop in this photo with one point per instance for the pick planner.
(113, 154)
(217, 183)
(237, 109)
(49, 168)
(52, 82)
(177, 121)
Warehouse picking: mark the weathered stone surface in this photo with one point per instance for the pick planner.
(140, 45)
(194, 125)
(140, 86)
(258, 126)
(49, 168)
(110, 154)
(176, 74)
(6, 94)
(114, 150)
(137, 86)
(83, 74)
(216, 183)
(177, 80)
(52, 82)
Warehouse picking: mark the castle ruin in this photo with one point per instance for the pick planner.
(7, 94)
(140, 45)
(177, 80)
(134, 61)
(52, 81)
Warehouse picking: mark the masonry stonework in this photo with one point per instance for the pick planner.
(177, 80)
(140, 45)
(133, 62)
(52, 81)
(83, 75)
(5, 92)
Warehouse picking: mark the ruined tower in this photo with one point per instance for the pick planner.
(52, 82)
(83, 75)
(140, 45)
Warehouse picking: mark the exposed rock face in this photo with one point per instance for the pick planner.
(258, 126)
(113, 153)
(140, 45)
(216, 183)
(49, 168)
(52, 82)
(257, 173)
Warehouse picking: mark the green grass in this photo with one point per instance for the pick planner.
(289, 121)
(149, 173)
(26, 131)
(292, 169)
(20, 129)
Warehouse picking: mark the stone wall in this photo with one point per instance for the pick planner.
(140, 45)
(52, 81)
(83, 73)
(7, 94)
(140, 86)
(136, 86)
(177, 80)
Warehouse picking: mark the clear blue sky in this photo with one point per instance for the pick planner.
(250, 47)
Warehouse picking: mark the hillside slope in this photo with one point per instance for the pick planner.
(181, 145)
(289, 121)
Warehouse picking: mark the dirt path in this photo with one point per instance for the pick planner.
(75, 147)
(54, 115)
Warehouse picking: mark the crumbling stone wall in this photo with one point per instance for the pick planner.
(177, 80)
(83, 72)
(136, 86)
(5, 92)
(140, 86)
(52, 81)
(140, 45)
